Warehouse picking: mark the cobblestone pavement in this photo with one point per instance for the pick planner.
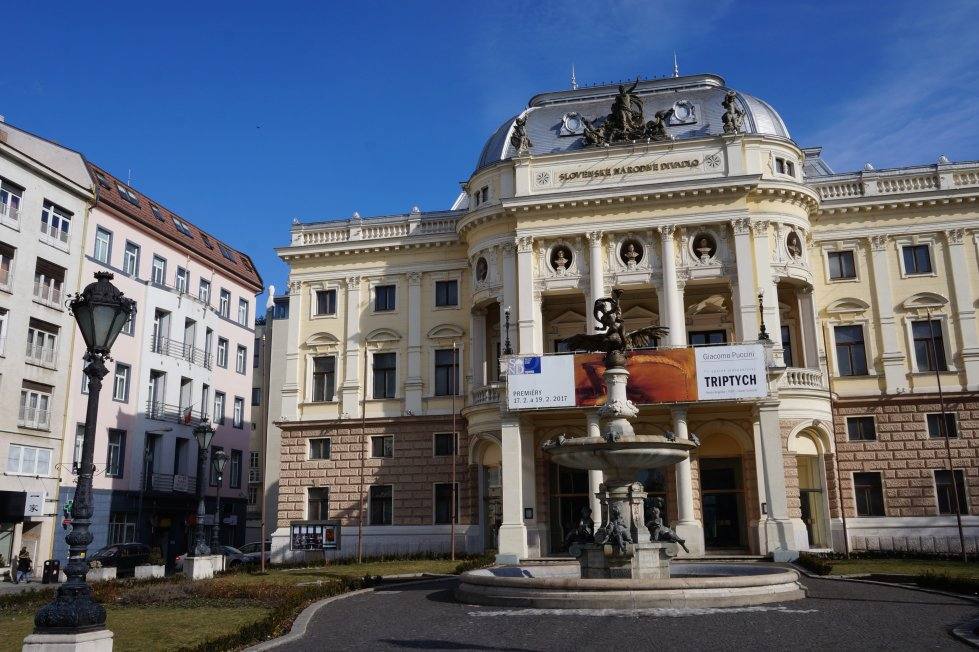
(835, 615)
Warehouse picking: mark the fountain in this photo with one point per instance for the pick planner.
(624, 563)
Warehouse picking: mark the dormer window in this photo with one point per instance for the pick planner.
(103, 181)
(127, 194)
(226, 252)
(181, 226)
(157, 213)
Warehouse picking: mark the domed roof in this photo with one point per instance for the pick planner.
(553, 119)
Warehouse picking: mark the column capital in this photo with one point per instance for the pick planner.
(666, 230)
(955, 236)
(479, 312)
(741, 226)
(760, 227)
(524, 244)
(414, 278)
(295, 287)
(595, 238)
(507, 248)
(878, 241)
(352, 282)
(678, 412)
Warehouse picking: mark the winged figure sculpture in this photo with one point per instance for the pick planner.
(612, 336)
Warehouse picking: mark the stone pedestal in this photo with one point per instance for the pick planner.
(100, 641)
(641, 561)
(203, 567)
(150, 571)
(100, 574)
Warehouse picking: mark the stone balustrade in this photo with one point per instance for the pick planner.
(868, 183)
(376, 228)
(487, 395)
(802, 378)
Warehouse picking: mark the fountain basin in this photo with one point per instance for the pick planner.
(623, 458)
(691, 585)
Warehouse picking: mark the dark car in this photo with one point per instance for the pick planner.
(125, 557)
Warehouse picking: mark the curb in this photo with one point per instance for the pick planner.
(968, 632)
(910, 587)
(299, 626)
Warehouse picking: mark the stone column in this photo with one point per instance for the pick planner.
(965, 301)
(768, 286)
(672, 298)
(778, 534)
(538, 322)
(595, 477)
(687, 526)
(413, 379)
(891, 356)
(477, 345)
(596, 279)
(513, 532)
(809, 327)
(536, 529)
(350, 387)
(744, 290)
(525, 295)
(292, 381)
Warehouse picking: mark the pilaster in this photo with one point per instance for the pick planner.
(413, 379)
(809, 326)
(525, 294)
(778, 534)
(965, 300)
(350, 387)
(744, 290)
(477, 345)
(672, 290)
(292, 381)
(687, 526)
(891, 356)
(513, 532)
(768, 287)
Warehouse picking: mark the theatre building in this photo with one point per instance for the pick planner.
(694, 200)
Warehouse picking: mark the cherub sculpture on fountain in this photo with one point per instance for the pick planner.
(615, 532)
(658, 530)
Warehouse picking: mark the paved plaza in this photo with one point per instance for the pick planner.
(836, 615)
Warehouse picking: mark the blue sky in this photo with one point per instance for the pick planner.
(243, 115)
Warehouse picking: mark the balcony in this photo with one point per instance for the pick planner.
(184, 415)
(10, 216)
(486, 395)
(29, 417)
(42, 355)
(55, 236)
(172, 483)
(799, 378)
(49, 295)
(174, 349)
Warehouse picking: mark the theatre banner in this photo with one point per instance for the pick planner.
(710, 373)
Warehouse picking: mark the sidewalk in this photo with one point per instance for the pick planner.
(9, 588)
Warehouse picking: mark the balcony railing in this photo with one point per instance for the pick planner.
(48, 295)
(901, 181)
(486, 395)
(42, 355)
(9, 215)
(185, 415)
(802, 378)
(254, 475)
(29, 417)
(172, 483)
(181, 351)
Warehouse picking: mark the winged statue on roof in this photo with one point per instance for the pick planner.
(612, 337)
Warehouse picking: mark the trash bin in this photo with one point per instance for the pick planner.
(51, 569)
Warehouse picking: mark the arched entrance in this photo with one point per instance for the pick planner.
(721, 465)
(808, 447)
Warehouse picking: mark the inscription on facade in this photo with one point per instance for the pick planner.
(629, 169)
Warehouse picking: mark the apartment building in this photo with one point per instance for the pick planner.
(185, 358)
(45, 198)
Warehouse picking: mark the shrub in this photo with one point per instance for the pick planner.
(472, 563)
(947, 582)
(818, 564)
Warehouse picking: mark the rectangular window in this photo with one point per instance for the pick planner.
(130, 260)
(243, 312)
(319, 448)
(42, 345)
(869, 493)
(222, 352)
(120, 383)
(446, 372)
(239, 413)
(326, 302)
(318, 503)
(787, 345)
(127, 194)
(382, 446)
(841, 265)
(157, 213)
(252, 495)
(6, 265)
(55, 222)
(324, 378)
(703, 338)
(35, 409)
(159, 276)
(257, 353)
(116, 455)
(49, 283)
(234, 478)
(122, 528)
(929, 345)
(851, 355)
(76, 455)
(946, 493)
(381, 506)
(254, 467)
(384, 298)
(917, 259)
(444, 443)
(256, 395)
(935, 429)
(446, 293)
(182, 284)
(103, 245)
(861, 429)
(241, 359)
(226, 252)
(204, 291)
(212, 470)
(129, 328)
(10, 196)
(182, 226)
(446, 503)
(219, 401)
(224, 303)
(28, 460)
(385, 375)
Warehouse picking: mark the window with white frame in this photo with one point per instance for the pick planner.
(219, 401)
(242, 311)
(42, 345)
(241, 359)
(6, 264)
(182, 280)
(10, 196)
(28, 460)
(204, 291)
(181, 226)
(159, 271)
(129, 328)
(252, 495)
(103, 245)
(224, 303)
(324, 378)
(49, 283)
(122, 528)
(130, 260)
(3, 330)
(929, 345)
(222, 352)
(55, 222)
(842, 265)
(254, 467)
(239, 413)
(120, 382)
(326, 302)
(917, 259)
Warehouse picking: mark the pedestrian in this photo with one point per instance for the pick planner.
(24, 566)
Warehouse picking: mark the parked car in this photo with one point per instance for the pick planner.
(252, 551)
(233, 558)
(125, 557)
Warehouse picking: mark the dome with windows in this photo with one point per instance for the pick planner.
(555, 122)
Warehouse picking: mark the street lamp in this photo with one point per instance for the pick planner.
(101, 311)
(203, 432)
(220, 459)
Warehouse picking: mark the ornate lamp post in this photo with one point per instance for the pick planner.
(220, 459)
(204, 432)
(101, 311)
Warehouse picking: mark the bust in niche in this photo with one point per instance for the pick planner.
(482, 269)
(705, 247)
(561, 259)
(794, 245)
(631, 253)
